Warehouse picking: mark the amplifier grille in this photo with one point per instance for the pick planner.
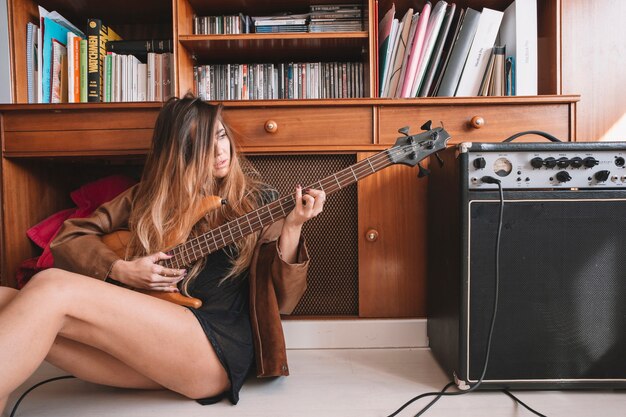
(561, 311)
(333, 280)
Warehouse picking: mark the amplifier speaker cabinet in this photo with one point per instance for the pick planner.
(561, 319)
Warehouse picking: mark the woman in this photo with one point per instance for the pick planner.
(110, 335)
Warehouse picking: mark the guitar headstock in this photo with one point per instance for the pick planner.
(411, 149)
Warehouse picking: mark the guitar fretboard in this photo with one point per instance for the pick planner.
(196, 248)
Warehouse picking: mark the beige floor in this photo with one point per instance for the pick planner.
(332, 382)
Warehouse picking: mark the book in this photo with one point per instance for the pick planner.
(518, 33)
(58, 60)
(509, 75)
(384, 34)
(32, 41)
(53, 31)
(407, 52)
(391, 48)
(447, 49)
(98, 34)
(52, 25)
(107, 73)
(497, 86)
(140, 48)
(83, 70)
(478, 55)
(396, 66)
(485, 85)
(459, 53)
(437, 53)
(73, 67)
(416, 51)
(430, 38)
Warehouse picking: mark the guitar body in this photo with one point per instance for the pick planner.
(118, 242)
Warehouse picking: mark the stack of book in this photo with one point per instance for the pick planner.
(311, 80)
(67, 65)
(222, 25)
(335, 18)
(443, 50)
(280, 23)
(138, 71)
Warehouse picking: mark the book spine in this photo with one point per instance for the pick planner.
(83, 70)
(108, 77)
(95, 30)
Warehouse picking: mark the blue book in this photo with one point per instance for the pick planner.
(51, 30)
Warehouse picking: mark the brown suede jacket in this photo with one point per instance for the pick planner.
(275, 286)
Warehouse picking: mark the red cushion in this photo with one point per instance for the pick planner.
(88, 198)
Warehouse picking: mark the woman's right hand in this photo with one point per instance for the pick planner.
(146, 274)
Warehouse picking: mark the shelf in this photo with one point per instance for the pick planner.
(273, 47)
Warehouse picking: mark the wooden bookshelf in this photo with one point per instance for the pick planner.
(49, 150)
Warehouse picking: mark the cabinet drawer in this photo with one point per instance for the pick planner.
(80, 118)
(78, 131)
(272, 128)
(499, 121)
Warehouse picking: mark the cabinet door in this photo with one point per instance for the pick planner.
(392, 243)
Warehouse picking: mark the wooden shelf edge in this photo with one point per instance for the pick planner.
(543, 99)
(82, 153)
(271, 36)
(80, 106)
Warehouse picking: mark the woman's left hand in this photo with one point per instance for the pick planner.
(309, 204)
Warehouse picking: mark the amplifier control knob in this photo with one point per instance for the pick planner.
(576, 162)
(563, 176)
(562, 162)
(536, 162)
(549, 162)
(590, 162)
(479, 163)
(602, 176)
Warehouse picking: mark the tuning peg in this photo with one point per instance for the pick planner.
(427, 126)
(423, 172)
(439, 159)
(404, 130)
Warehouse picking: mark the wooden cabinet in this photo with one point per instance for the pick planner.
(50, 150)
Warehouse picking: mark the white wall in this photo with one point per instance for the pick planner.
(5, 71)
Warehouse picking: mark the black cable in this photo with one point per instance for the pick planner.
(489, 180)
(35, 386)
(412, 400)
(532, 132)
(507, 392)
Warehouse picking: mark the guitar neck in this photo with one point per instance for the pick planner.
(200, 246)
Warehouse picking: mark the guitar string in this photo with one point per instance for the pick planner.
(187, 250)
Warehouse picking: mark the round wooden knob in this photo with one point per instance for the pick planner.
(477, 122)
(271, 126)
(371, 235)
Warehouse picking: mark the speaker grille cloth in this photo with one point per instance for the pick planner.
(333, 279)
(561, 312)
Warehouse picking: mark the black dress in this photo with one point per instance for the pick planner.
(225, 318)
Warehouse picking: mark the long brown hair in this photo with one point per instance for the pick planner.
(178, 175)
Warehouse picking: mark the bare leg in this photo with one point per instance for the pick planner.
(160, 341)
(86, 362)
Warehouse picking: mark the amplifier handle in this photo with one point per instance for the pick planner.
(532, 132)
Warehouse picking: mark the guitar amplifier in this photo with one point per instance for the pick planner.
(561, 318)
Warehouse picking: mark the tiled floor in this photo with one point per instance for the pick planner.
(331, 382)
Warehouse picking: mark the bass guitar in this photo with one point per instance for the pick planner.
(408, 150)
